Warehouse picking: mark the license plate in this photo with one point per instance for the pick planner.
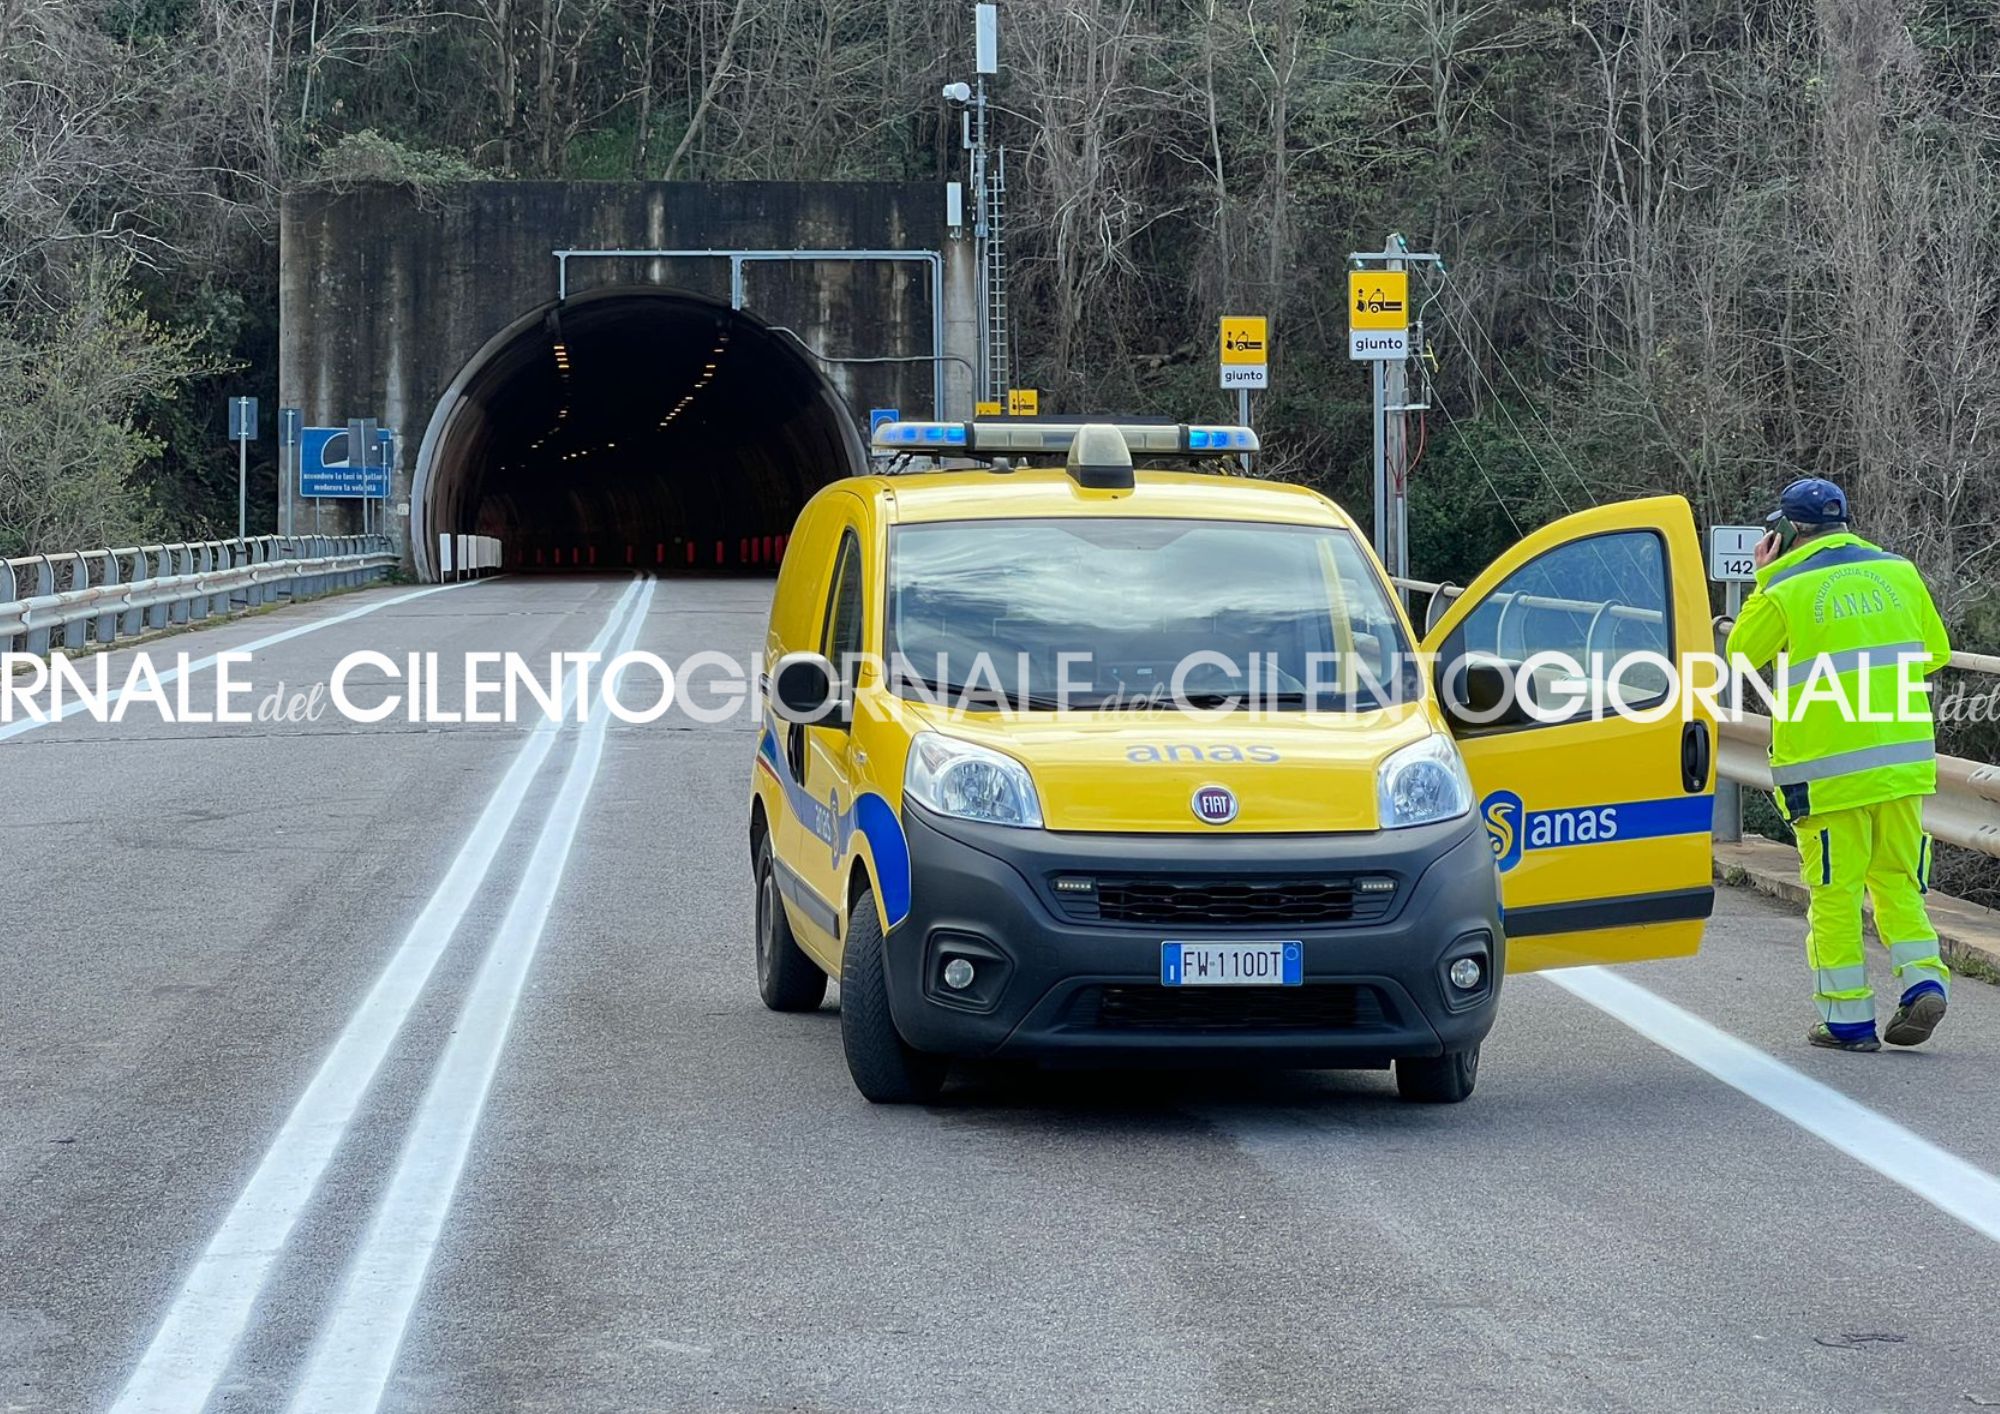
(1279, 963)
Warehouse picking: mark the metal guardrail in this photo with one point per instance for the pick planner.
(1965, 811)
(84, 597)
(1442, 593)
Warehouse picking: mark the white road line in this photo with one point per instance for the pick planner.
(198, 1336)
(167, 675)
(1937, 1176)
(356, 1351)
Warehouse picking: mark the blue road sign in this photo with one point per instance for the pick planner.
(242, 419)
(291, 421)
(325, 473)
(878, 416)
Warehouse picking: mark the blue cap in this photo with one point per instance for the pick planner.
(1811, 501)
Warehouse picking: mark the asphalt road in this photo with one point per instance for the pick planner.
(326, 1081)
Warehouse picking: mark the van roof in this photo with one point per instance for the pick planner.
(1051, 492)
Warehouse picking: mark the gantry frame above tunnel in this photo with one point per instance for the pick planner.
(740, 259)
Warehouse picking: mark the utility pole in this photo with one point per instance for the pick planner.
(989, 203)
(290, 423)
(1380, 331)
(242, 431)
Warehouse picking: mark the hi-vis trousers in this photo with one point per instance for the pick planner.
(1883, 849)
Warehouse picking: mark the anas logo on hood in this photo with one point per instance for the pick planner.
(1214, 805)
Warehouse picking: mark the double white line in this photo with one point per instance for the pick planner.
(198, 1338)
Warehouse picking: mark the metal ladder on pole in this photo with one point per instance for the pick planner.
(999, 344)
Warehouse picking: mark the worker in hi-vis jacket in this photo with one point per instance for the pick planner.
(1851, 783)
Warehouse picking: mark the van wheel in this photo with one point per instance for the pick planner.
(1438, 1080)
(787, 979)
(884, 1066)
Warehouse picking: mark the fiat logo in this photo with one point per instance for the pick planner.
(1214, 805)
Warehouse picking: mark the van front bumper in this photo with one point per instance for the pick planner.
(1075, 974)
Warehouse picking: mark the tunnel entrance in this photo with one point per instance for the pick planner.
(645, 428)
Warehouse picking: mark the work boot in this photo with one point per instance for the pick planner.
(1921, 1010)
(1821, 1036)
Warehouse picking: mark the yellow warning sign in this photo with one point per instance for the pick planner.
(1246, 338)
(1024, 402)
(1378, 299)
(987, 409)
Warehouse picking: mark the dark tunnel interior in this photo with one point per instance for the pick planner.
(639, 428)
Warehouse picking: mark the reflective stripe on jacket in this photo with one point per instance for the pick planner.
(1865, 610)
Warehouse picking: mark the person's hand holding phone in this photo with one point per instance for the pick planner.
(1768, 549)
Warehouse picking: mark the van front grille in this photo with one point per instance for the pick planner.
(1225, 901)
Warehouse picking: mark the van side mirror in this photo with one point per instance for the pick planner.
(1474, 695)
(805, 688)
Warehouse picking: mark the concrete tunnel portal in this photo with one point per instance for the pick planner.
(634, 427)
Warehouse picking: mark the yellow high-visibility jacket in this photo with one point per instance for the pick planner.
(1865, 610)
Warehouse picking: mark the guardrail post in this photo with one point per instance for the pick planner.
(45, 583)
(177, 562)
(205, 563)
(133, 621)
(107, 623)
(76, 633)
(7, 596)
(160, 615)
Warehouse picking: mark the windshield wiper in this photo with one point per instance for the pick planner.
(955, 693)
(1242, 698)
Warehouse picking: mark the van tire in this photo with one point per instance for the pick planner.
(886, 1069)
(1438, 1080)
(787, 979)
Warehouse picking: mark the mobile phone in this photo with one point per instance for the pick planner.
(1787, 533)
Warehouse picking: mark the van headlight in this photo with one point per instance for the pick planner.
(970, 782)
(1421, 784)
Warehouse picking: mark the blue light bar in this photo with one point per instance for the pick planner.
(892, 435)
(1052, 437)
(1221, 439)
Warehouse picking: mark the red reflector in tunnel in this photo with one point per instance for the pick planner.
(661, 557)
(628, 554)
(690, 552)
(718, 552)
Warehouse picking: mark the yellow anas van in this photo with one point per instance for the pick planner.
(1063, 761)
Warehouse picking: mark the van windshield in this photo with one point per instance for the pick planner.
(1141, 613)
